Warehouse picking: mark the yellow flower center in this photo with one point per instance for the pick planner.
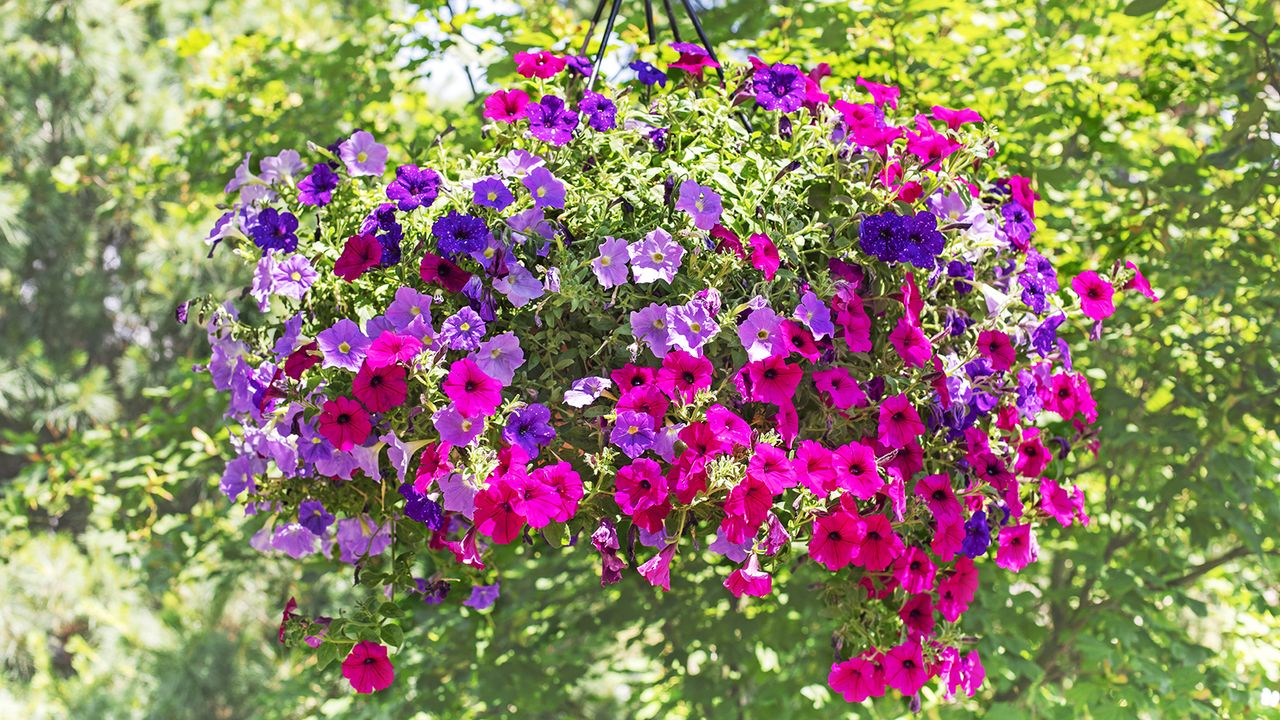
(633, 430)
(604, 261)
(492, 196)
(698, 204)
(657, 257)
(542, 192)
(344, 347)
(362, 156)
(495, 353)
(464, 326)
(695, 327)
(466, 425)
(763, 334)
(295, 276)
(415, 310)
(660, 324)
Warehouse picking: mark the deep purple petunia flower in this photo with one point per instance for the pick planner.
(457, 233)
(529, 428)
(313, 516)
(648, 74)
(923, 242)
(779, 87)
(602, 114)
(419, 507)
(414, 187)
(316, 189)
(551, 121)
(633, 433)
(883, 236)
(273, 230)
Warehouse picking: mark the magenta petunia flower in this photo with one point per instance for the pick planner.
(953, 119)
(363, 155)
(836, 540)
(857, 679)
(344, 423)
(610, 267)
(773, 380)
(995, 346)
(839, 388)
(1095, 295)
(500, 357)
(855, 466)
(380, 389)
(640, 486)
(535, 501)
(441, 271)
(293, 276)
(761, 335)
(701, 203)
(881, 95)
(764, 255)
(905, 669)
(542, 64)
(655, 258)
(343, 345)
(915, 571)
(491, 192)
(657, 570)
(551, 121)
(693, 58)
(1018, 547)
(455, 428)
(899, 422)
(939, 497)
(390, 348)
(474, 394)
(547, 191)
(770, 466)
(361, 253)
(749, 579)
(506, 106)
(367, 667)
(911, 343)
(682, 375)
(880, 545)
(495, 515)
(814, 467)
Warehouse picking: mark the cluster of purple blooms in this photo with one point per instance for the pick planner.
(893, 238)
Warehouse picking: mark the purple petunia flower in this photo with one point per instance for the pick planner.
(457, 494)
(815, 314)
(316, 189)
(273, 231)
(343, 345)
(633, 433)
(519, 163)
(529, 428)
(463, 330)
(760, 334)
(547, 191)
(923, 242)
(414, 187)
(657, 257)
(650, 327)
(455, 429)
(363, 155)
(355, 544)
(550, 121)
(585, 391)
(611, 266)
(702, 204)
(313, 516)
(482, 596)
(408, 306)
(779, 87)
(500, 357)
(292, 277)
(492, 192)
(433, 592)
(691, 326)
(294, 540)
(648, 74)
(263, 282)
(602, 114)
(421, 508)
(457, 233)
(883, 236)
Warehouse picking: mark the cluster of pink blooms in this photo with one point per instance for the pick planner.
(894, 409)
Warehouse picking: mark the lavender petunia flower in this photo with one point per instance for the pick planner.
(343, 345)
(281, 167)
(363, 155)
(611, 265)
(457, 494)
(353, 542)
(482, 596)
(657, 257)
(456, 429)
(293, 276)
(585, 391)
(760, 334)
(313, 516)
(691, 326)
(500, 357)
(519, 285)
(519, 163)
(408, 306)
(463, 330)
(493, 193)
(650, 327)
(547, 191)
(702, 204)
(633, 432)
(815, 314)
(295, 541)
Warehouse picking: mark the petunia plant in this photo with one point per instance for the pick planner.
(755, 322)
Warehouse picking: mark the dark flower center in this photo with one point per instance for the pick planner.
(688, 377)
(770, 374)
(344, 418)
(470, 386)
(375, 381)
(939, 495)
(898, 416)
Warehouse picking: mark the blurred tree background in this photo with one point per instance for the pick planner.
(127, 588)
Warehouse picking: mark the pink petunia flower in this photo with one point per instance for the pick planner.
(495, 515)
(344, 423)
(1095, 295)
(473, 393)
(857, 679)
(749, 580)
(1018, 547)
(880, 545)
(899, 422)
(657, 570)
(380, 389)
(368, 668)
(773, 380)
(837, 539)
(912, 344)
(904, 668)
(506, 105)
(764, 255)
(360, 253)
(995, 347)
